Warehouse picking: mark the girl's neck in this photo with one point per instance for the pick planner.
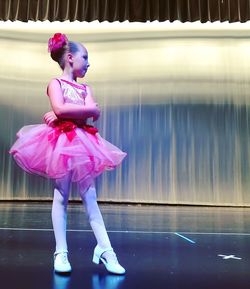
(68, 75)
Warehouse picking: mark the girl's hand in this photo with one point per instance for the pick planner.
(50, 118)
(96, 112)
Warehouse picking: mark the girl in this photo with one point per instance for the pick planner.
(67, 150)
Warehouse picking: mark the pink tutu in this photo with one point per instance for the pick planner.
(52, 153)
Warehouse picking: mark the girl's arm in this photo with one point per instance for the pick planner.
(69, 110)
(89, 101)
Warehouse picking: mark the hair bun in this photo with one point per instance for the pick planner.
(56, 42)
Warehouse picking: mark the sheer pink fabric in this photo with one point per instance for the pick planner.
(39, 149)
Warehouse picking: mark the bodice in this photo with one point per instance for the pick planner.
(73, 93)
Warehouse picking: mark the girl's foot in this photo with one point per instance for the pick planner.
(109, 259)
(61, 262)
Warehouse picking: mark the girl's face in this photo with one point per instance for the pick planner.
(80, 63)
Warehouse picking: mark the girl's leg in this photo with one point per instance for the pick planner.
(95, 217)
(59, 212)
(103, 251)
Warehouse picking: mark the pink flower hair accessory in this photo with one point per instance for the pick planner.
(57, 41)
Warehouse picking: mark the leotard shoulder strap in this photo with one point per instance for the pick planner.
(76, 85)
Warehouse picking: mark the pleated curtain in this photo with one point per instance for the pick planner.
(122, 10)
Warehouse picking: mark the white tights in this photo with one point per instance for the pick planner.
(59, 215)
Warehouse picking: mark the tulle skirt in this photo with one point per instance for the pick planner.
(46, 151)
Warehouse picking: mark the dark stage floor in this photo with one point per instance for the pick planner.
(161, 247)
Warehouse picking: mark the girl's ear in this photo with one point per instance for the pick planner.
(70, 57)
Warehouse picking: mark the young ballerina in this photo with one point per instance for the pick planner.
(67, 149)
